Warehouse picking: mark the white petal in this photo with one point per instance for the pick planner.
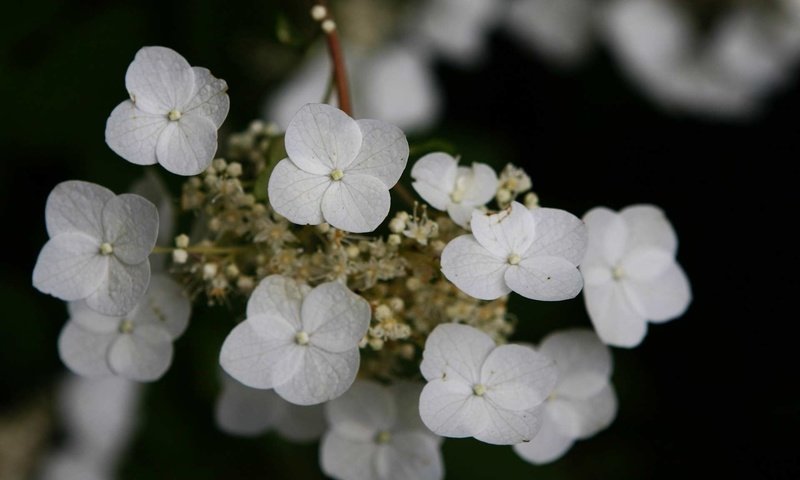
(613, 317)
(548, 445)
(159, 80)
(66, 465)
(558, 234)
(90, 320)
(460, 213)
(210, 99)
(517, 377)
(251, 357)
(410, 456)
(367, 404)
(300, 423)
(187, 146)
(143, 355)
(661, 298)
(70, 267)
(321, 138)
(510, 231)
(356, 203)
(152, 187)
(583, 417)
(649, 227)
(320, 376)
(296, 194)
(383, 154)
(335, 318)
(509, 427)
(130, 225)
(607, 235)
(165, 304)
(133, 133)
(561, 30)
(473, 269)
(343, 458)
(435, 178)
(545, 278)
(280, 295)
(83, 351)
(455, 354)
(645, 263)
(75, 206)
(245, 411)
(406, 396)
(584, 363)
(121, 289)
(449, 408)
(482, 185)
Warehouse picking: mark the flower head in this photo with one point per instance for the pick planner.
(98, 248)
(173, 113)
(532, 252)
(339, 170)
(477, 389)
(583, 401)
(630, 273)
(458, 190)
(299, 341)
(376, 433)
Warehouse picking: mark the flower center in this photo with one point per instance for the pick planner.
(106, 248)
(617, 273)
(301, 338)
(383, 437)
(457, 196)
(514, 259)
(337, 174)
(126, 326)
(478, 389)
(174, 115)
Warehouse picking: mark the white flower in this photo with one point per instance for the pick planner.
(561, 30)
(532, 252)
(458, 190)
(456, 29)
(249, 412)
(172, 116)
(339, 170)
(630, 273)
(376, 433)
(137, 346)
(299, 341)
(98, 248)
(477, 389)
(583, 401)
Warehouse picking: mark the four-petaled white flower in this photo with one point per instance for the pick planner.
(631, 274)
(137, 346)
(458, 190)
(532, 252)
(98, 248)
(376, 433)
(339, 170)
(477, 389)
(583, 401)
(299, 341)
(249, 412)
(172, 116)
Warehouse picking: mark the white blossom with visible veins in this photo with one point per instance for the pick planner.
(173, 113)
(532, 252)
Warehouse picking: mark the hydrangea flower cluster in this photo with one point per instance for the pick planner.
(379, 341)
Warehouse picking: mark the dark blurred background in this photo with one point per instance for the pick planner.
(712, 392)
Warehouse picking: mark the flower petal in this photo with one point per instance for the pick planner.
(152, 188)
(187, 146)
(159, 80)
(435, 178)
(583, 417)
(517, 377)
(121, 289)
(83, 351)
(133, 133)
(335, 318)
(645, 263)
(210, 98)
(558, 234)
(406, 396)
(356, 203)
(509, 427)
(254, 348)
(76, 207)
(450, 409)
(321, 138)
(460, 214)
(368, 405)
(548, 445)
(70, 266)
(245, 411)
(545, 278)
(607, 235)
(280, 295)
(613, 316)
(383, 153)
(649, 227)
(143, 355)
(130, 225)
(301, 423)
(473, 269)
(320, 376)
(410, 456)
(165, 304)
(482, 185)
(341, 457)
(455, 354)
(510, 231)
(583, 362)
(662, 298)
(90, 320)
(296, 194)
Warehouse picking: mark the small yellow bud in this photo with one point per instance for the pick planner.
(383, 312)
(210, 271)
(106, 248)
(301, 338)
(328, 26)
(319, 12)
(220, 164)
(394, 239)
(352, 251)
(232, 271)
(336, 174)
(180, 256)
(234, 169)
(397, 225)
(182, 241)
(503, 195)
(174, 115)
(531, 200)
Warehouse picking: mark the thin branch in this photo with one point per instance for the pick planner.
(322, 13)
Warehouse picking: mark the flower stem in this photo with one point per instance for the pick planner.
(201, 249)
(337, 58)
